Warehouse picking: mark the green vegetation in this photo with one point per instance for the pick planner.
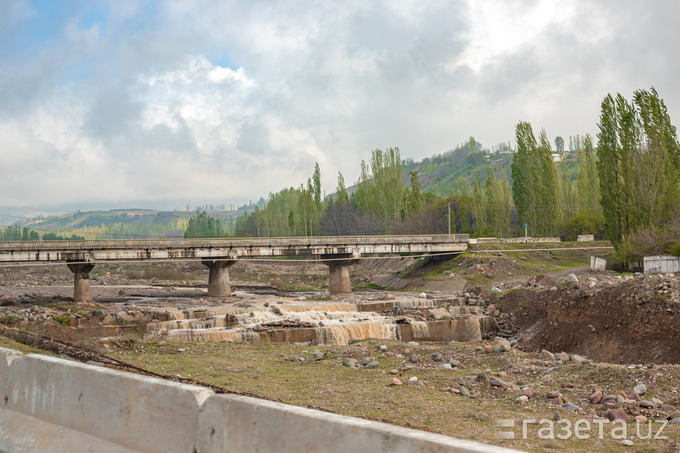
(62, 319)
(9, 320)
(203, 226)
(639, 170)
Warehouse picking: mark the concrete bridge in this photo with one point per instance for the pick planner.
(337, 252)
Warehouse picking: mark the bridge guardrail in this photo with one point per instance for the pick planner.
(117, 244)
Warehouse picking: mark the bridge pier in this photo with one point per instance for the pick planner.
(338, 274)
(218, 280)
(81, 281)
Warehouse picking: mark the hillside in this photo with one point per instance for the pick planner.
(123, 223)
(450, 173)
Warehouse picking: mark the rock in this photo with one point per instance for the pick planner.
(675, 414)
(563, 356)
(571, 278)
(577, 359)
(413, 379)
(383, 347)
(464, 391)
(501, 345)
(646, 404)
(412, 344)
(596, 397)
(634, 397)
(497, 382)
(422, 295)
(353, 340)
(570, 406)
(640, 419)
(547, 355)
(365, 361)
(413, 358)
(436, 357)
(446, 366)
(528, 392)
(522, 399)
(455, 363)
(640, 389)
(557, 417)
(617, 414)
(567, 385)
(480, 377)
(656, 402)
(626, 443)
(396, 381)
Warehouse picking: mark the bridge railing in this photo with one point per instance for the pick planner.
(118, 244)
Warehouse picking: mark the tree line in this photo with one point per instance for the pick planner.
(627, 189)
(16, 233)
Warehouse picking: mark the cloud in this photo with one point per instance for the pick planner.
(232, 100)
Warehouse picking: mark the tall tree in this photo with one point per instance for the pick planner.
(638, 164)
(559, 144)
(316, 186)
(587, 181)
(547, 196)
(479, 205)
(381, 188)
(498, 205)
(534, 181)
(341, 191)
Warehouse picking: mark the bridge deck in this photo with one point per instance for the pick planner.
(231, 248)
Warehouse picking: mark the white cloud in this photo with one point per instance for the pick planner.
(233, 100)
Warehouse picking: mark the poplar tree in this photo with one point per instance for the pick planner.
(381, 186)
(479, 205)
(534, 181)
(522, 181)
(638, 164)
(498, 205)
(547, 195)
(341, 190)
(588, 182)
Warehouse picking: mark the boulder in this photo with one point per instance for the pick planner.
(617, 414)
(640, 389)
(501, 345)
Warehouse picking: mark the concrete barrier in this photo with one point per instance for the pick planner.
(597, 264)
(56, 405)
(662, 264)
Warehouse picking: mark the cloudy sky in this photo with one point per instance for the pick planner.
(159, 103)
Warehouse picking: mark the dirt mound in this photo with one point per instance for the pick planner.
(540, 281)
(494, 268)
(635, 321)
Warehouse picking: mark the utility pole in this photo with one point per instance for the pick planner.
(449, 218)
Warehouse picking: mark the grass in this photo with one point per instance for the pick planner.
(8, 320)
(259, 369)
(11, 344)
(62, 319)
